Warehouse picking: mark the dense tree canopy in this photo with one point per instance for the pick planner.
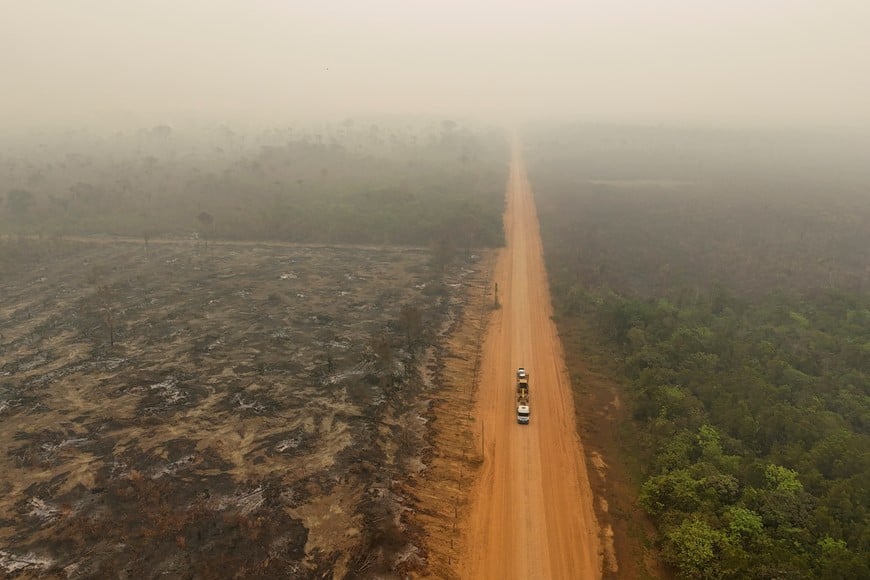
(756, 422)
(741, 323)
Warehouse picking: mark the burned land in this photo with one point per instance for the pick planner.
(190, 386)
(241, 408)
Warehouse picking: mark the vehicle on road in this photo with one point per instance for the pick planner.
(521, 373)
(523, 410)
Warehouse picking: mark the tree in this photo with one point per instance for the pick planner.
(207, 220)
(744, 523)
(692, 547)
(470, 227)
(107, 310)
(782, 479)
(835, 560)
(442, 253)
(411, 322)
(709, 442)
(104, 299)
(782, 503)
(383, 351)
(19, 202)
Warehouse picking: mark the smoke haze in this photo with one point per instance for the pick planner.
(773, 63)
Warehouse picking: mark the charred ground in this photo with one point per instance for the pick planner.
(257, 410)
(203, 407)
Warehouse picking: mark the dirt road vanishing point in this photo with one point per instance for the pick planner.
(532, 510)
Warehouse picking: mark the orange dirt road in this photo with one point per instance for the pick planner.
(531, 513)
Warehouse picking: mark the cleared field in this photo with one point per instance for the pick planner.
(241, 409)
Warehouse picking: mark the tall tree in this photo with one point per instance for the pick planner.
(207, 221)
(411, 322)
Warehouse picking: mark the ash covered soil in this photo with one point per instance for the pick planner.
(231, 411)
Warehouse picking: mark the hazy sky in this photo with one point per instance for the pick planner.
(722, 62)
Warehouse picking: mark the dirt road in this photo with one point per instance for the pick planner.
(532, 508)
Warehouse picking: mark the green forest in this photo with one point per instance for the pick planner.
(747, 376)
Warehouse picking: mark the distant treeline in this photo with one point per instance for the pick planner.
(745, 354)
(345, 184)
(650, 211)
